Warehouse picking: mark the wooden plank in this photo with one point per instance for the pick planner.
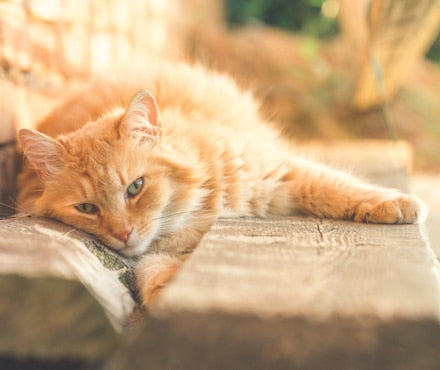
(309, 267)
(218, 341)
(52, 318)
(296, 293)
(64, 295)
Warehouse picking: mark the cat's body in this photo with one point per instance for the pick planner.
(153, 178)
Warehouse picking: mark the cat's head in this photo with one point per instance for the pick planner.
(114, 177)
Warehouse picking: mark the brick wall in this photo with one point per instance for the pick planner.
(48, 45)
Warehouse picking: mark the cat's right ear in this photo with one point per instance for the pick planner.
(43, 152)
(141, 118)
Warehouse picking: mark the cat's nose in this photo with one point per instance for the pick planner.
(124, 234)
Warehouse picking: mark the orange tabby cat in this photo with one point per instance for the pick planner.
(151, 174)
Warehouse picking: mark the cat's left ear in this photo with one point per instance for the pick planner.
(142, 117)
(44, 153)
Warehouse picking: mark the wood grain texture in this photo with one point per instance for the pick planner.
(33, 247)
(311, 268)
(298, 293)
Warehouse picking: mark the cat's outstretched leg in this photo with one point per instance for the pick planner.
(325, 192)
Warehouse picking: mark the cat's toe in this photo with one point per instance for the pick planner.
(398, 209)
(413, 209)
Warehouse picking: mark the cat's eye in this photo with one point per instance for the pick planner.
(87, 208)
(135, 187)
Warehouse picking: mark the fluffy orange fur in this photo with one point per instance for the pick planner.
(151, 171)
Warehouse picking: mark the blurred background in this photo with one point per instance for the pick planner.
(326, 70)
(323, 68)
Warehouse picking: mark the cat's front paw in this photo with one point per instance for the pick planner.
(395, 209)
(153, 273)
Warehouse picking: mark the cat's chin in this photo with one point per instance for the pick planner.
(132, 251)
(134, 247)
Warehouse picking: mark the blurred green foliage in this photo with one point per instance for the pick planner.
(295, 15)
(434, 51)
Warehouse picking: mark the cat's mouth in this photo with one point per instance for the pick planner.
(130, 250)
(127, 249)
(134, 246)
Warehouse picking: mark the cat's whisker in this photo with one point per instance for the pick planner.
(171, 215)
(17, 215)
(195, 216)
(16, 208)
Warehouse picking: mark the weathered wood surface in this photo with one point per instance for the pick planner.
(298, 293)
(52, 318)
(218, 341)
(309, 267)
(64, 295)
